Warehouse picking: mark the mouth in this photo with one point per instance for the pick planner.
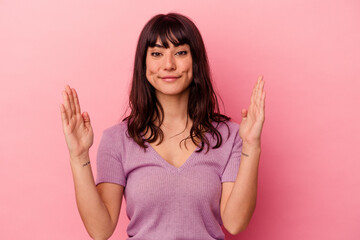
(170, 78)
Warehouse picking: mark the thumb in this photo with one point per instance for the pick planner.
(243, 113)
(86, 118)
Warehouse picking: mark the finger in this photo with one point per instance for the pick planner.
(86, 118)
(253, 94)
(77, 104)
(67, 105)
(71, 99)
(260, 91)
(244, 113)
(258, 86)
(262, 102)
(64, 119)
(253, 97)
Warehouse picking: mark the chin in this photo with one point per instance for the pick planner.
(172, 92)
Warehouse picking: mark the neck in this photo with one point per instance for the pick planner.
(175, 110)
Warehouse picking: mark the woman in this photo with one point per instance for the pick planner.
(156, 157)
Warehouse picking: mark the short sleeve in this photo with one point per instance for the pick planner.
(232, 167)
(108, 161)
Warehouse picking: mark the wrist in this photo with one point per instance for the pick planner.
(79, 155)
(80, 159)
(251, 148)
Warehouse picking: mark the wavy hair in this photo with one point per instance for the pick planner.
(203, 106)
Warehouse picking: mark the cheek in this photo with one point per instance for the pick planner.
(151, 68)
(148, 71)
(190, 68)
(186, 65)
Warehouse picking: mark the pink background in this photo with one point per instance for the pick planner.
(308, 52)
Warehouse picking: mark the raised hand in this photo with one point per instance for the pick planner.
(253, 118)
(77, 129)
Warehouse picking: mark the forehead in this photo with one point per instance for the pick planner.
(168, 44)
(166, 37)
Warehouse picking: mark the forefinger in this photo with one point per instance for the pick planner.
(255, 91)
(67, 105)
(76, 100)
(260, 90)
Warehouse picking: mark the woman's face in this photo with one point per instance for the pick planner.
(169, 70)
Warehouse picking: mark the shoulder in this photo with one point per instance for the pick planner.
(224, 134)
(115, 139)
(116, 131)
(227, 127)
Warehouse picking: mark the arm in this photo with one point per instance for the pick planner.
(241, 202)
(99, 207)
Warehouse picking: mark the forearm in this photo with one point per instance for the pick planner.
(92, 209)
(242, 200)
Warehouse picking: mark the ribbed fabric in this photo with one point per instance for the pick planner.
(165, 202)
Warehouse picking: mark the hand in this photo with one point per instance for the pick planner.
(253, 119)
(77, 129)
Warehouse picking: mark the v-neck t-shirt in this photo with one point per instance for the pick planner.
(163, 201)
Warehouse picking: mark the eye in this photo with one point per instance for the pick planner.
(182, 53)
(155, 54)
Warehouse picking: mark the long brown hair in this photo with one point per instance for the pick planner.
(203, 106)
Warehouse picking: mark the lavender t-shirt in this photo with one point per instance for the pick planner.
(163, 201)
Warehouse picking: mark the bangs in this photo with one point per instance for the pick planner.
(168, 30)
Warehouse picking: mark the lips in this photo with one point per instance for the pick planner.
(169, 78)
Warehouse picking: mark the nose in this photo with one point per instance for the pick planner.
(169, 63)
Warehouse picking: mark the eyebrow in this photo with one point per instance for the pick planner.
(161, 46)
(158, 45)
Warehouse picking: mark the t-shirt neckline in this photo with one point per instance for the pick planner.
(170, 166)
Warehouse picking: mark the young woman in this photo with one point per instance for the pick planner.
(175, 158)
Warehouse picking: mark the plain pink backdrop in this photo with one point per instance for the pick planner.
(308, 52)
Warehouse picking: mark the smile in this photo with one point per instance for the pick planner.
(170, 78)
